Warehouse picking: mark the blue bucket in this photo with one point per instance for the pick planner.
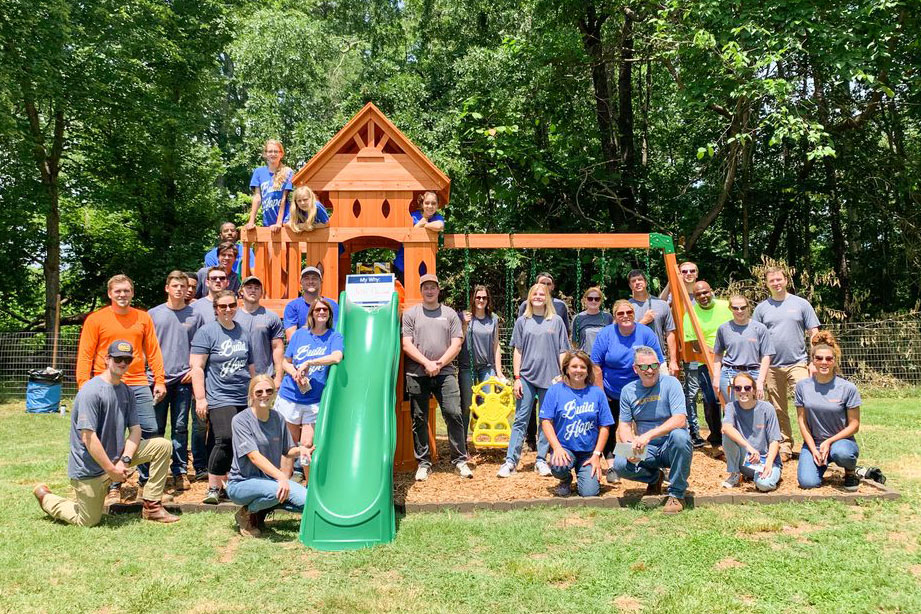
(43, 393)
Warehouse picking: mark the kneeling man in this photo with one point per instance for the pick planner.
(654, 419)
(99, 454)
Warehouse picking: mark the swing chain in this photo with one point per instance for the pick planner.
(467, 341)
(578, 275)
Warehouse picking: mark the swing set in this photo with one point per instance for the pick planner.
(369, 175)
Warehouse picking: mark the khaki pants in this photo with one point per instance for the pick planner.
(779, 384)
(86, 511)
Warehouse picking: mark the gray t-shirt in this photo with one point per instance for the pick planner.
(540, 341)
(481, 332)
(271, 438)
(227, 368)
(432, 331)
(262, 326)
(106, 410)
(586, 326)
(757, 425)
(788, 321)
(826, 405)
(204, 309)
(558, 306)
(743, 345)
(233, 282)
(175, 329)
(662, 323)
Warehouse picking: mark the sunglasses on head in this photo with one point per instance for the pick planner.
(264, 392)
(650, 367)
(823, 359)
(742, 387)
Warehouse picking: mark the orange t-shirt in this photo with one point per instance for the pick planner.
(103, 327)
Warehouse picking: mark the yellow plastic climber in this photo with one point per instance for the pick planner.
(492, 408)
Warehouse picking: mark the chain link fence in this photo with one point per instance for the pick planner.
(882, 354)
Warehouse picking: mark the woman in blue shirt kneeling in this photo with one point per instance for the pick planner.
(576, 419)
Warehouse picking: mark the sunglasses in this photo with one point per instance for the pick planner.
(122, 360)
(823, 359)
(226, 307)
(320, 310)
(221, 278)
(480, 298)
(745, 388)
(593, 299)
(688, 271)
(737, 308)
(650, 367)
(264, 392)
(621, 314)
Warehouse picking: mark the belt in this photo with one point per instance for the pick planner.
(743, 367)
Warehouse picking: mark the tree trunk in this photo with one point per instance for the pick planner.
(590, 25)
(838, 241)
(625, 124)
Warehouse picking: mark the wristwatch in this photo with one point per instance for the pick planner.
(596, 453)
(126, 459)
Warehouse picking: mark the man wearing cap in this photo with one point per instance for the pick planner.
(432, 337)
(120, 321)
(265, 330)
(99, 454)
(175, 323)
(226, 256)
(296, 310)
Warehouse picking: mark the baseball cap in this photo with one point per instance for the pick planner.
(120, 349)
(251, 278)
(311, 269)
(429, 277)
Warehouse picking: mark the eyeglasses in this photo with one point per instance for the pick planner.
(650, 367)
(688, 271)
(226, 307)
(122, 360)
(320, 310)
(738, 308)
(746, 388)
(221, 278)
(823, 359)
(593, 299)
(621, 314)
(264, 392)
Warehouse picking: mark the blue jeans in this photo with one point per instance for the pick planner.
(466, 389)
(258, 494)
(734, 456)
(843, 453)
(586, 483)
(726, 375)
(177, 402)
(144, 403)
(673, 451)
(529, 392)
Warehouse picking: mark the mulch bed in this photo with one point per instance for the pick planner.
(445, 489)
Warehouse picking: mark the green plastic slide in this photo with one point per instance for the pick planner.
(350, 494)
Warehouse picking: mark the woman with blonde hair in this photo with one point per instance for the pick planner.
(270, 185)
(589, 322)
(741, 346)
(828, 412)
(263, 450)
(308, 213)
(539, 341)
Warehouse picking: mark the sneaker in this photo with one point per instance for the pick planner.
(114, 495)
(732, 481)
(422, 473)
(212, 497)
(506, 470)
(673, 505)
(655, 488)
(697, 441)
(851, 481)
(564, 489)
(200, 476)
(542, 468)
(181, 482)
(222, 495)
(297, 476)
(611, 476)
(247, 523)
(464, 470)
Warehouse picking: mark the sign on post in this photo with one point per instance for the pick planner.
(369, 290)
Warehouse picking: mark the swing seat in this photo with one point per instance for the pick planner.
(492, 409)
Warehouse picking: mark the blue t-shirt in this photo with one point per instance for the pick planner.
(211, 259)
(576, 415)
(416, 216)
(651, 407)
(614, 354)
(304, 346)
(297, 310)
(271, 197)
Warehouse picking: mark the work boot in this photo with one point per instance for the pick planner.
(673, 505)
(245, 523)
(154, 511)
(181, 483)
(654, 488)
(40, 491)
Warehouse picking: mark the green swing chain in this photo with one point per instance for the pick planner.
(578, 296)
(509, 293)
(533, 279)
(467, 339)
(604, 269)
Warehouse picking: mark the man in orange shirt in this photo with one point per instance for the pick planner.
(120, 321)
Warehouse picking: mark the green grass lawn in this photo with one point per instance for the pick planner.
(795, 558)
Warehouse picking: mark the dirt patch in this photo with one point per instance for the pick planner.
(230, 550)
(728, 563)
(915, 570)
(905, 541)
(574, 521)
(628, 605)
